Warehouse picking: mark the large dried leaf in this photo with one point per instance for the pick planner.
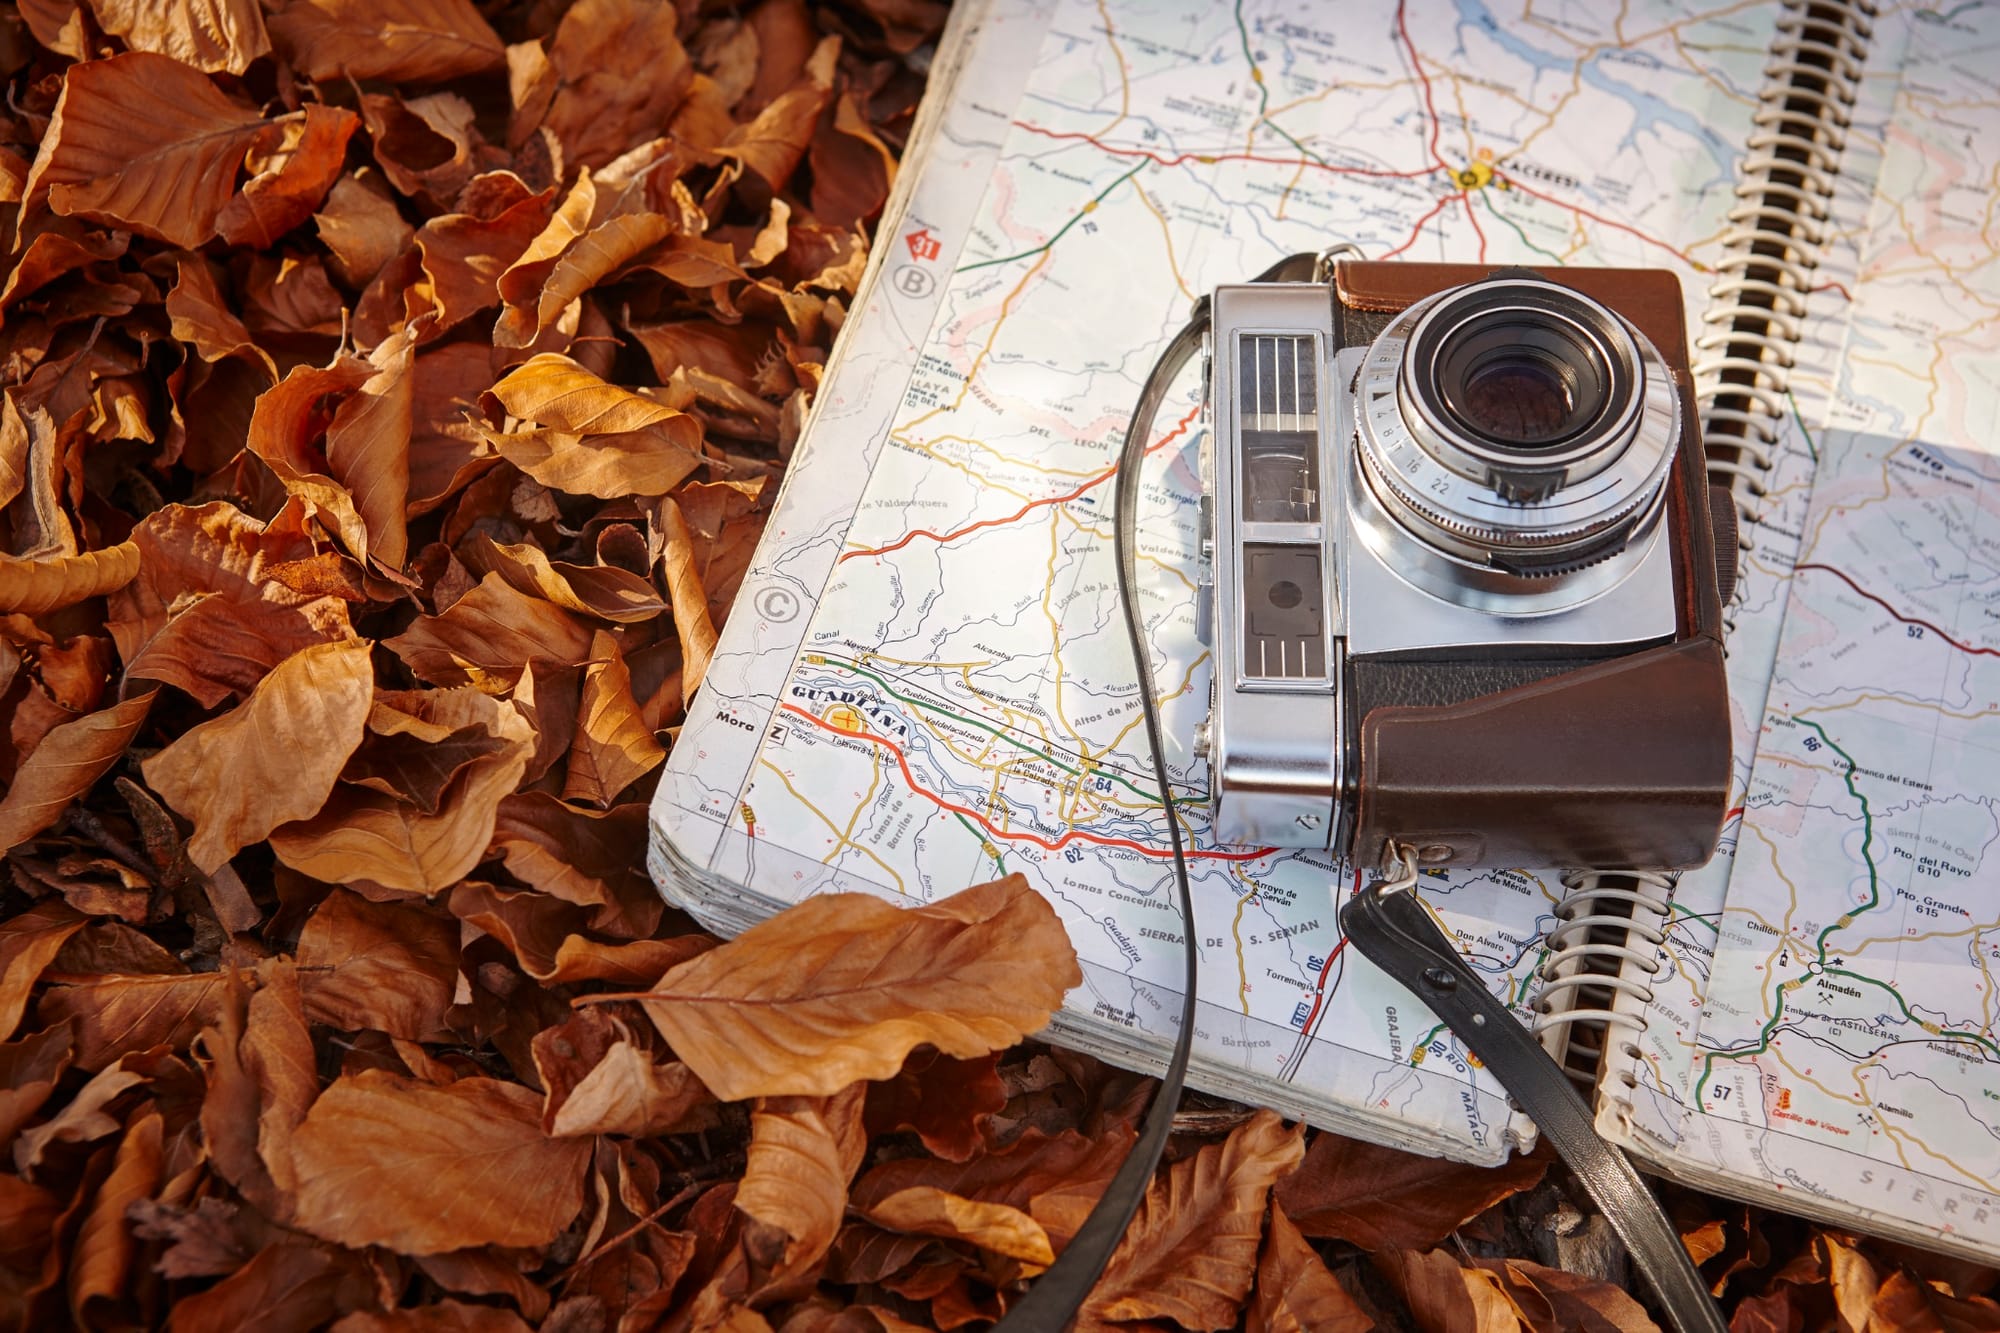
(803, 1151)
(292, 178)
(598, 439)
(202, 316)
(1294, 1292)
(390, 1161)
(1380, 1198)
(619, 73)
(925, 1211)
(389, 966)
(603, 591)
(261, 1079)
(410, 41)
(366, 834)
(215, 36)
(145, 142)
(205, 612)
(465, 253)
(773, 144)
(491, 634)
(1446, 1298)
(613, 747)
(360, 225)
(1191, 1250)
(628, 1092)
(842, 987)
(67, 763)
(116, 1015)
(272, 759)
(29, 942)
(102, 1262)
(34, 587)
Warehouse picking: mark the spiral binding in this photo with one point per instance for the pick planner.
(1744, 356)
(1604, 953)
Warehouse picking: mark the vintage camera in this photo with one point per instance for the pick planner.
(1467, 583)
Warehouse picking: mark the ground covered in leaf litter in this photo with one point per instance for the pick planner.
(394, 390)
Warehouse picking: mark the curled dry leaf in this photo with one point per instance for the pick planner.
(274, 758)
(388, 966)
(144, 142)
(1294, 1292)
(215, 36)
(385, 1160)
(66, 764)
(803, 1151)
(101, 1263)
(618, 71)
(1191, 1250)
(842, 987)
(925, 1211)
(1380, 1198)
(596, 438)
(291, 179)
(29, 942)
(33, 587)
(493, 633)
(112, 1015)
(628, 1092)
(411, 41)
(613, 746)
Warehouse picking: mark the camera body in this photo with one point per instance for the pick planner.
(1466, 585)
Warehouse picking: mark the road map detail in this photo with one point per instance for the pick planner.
(955, 700)
(1848, 1042)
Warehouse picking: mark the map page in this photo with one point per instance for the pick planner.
(1848, 1054)
(925, 684)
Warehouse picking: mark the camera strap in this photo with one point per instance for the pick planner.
(1392, 930)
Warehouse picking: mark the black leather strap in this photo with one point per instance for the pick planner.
(1393, 931)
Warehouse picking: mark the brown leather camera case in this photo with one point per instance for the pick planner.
(1619, 763)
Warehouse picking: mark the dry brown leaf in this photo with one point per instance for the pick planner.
(261, 1079)
(842, 987)
(773, 144)
(67, 763)
(603, 591)
(292, 179)
(145, 142)
(1294, 1292)
(83, 1120)
(487, 1273)
(1382, 1199)
(201, 316)
(598, 439)
(424, 145)
(1191, 1250)
(1904, 1304)
(34, 587)
(408, 41)
(492, 634)
(360, 225)
(368, 449)
(113, 1015)
(587, 857)
(54, 246)
(292, 1284)
(445, 1316)
(390, 1161)
(465, 253)
(944, 1100)
(803, 1151)
(852, 169)
(203, 613)
(691, 619)
(388, 966)
(613, 747)
(214, 36)
(618, 71)
(272, 759)
(925, 1211)
(1573, 1301)
(1442, 1297)
(103, 1259)
(543, 934)
(364, 834)
(29, 1069)
(29, 942)
(628, 1092)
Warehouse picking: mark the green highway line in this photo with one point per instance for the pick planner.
(1486, 198)
(998, 734)
(1081, 214)
(1845, 919)
(984, 841)
(1804, 433)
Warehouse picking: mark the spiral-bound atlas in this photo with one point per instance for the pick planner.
(923, 684)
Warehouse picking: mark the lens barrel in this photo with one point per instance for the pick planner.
(1515, 440)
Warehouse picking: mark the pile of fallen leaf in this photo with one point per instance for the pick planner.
(393, 392)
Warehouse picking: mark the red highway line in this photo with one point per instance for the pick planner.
(1515, 184)
(1205, 158)
(945, 539)
(1418, 230)
(1907, 620)
(1319, 988)
(1430, 108)
(909, 778)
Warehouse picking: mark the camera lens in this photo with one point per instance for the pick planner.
(1516, 429)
